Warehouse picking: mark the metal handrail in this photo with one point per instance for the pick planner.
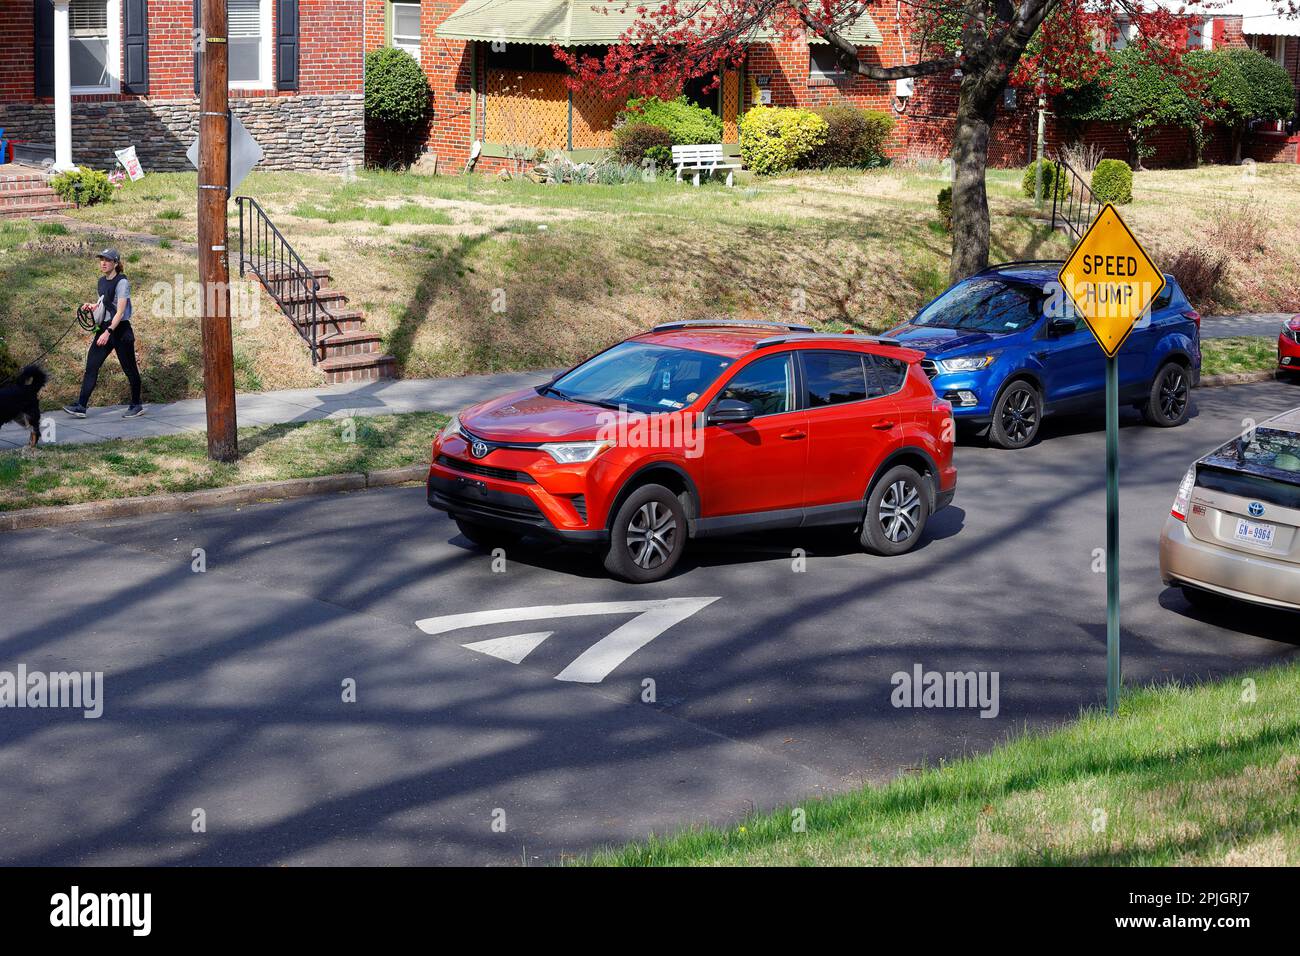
(277, 265)
(1080, 204)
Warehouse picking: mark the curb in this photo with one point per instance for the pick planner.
(56, 515)
(1236, 378)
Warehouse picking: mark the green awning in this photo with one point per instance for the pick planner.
(573, 23)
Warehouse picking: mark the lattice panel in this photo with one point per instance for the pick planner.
(525, 108)
(593, 120)
(730, 106)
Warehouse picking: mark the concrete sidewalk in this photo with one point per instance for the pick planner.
(446, 395)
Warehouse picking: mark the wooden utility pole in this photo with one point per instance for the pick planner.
(214, 270)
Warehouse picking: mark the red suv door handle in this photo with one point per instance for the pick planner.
(794, 435)
(883, 426)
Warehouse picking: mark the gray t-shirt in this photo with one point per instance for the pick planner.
(111, 291)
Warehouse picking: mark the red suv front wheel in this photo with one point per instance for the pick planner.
(647, 536)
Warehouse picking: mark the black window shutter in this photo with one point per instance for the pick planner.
(198, 23)
(135, 33)
(44, 59)
(286, 44)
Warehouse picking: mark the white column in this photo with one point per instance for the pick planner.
(62, 90)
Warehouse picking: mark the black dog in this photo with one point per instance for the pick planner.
(19, 402)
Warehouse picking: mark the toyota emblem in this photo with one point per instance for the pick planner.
(479, 449)
(1256, 509)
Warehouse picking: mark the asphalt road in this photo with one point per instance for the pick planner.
(223, 689)
(1268, 324)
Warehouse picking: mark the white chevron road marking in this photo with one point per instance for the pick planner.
(513, 648)
(595, 663)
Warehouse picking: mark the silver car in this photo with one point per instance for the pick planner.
(1234, 529)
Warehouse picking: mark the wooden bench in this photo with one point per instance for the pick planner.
(704, 158)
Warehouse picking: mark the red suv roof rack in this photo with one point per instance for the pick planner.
(730, 323)
(825, 337)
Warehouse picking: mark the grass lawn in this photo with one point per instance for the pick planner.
(128, 468)
(473, 274)
(1184, 776)
(1247, 353)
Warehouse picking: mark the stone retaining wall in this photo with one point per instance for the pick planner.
(296, 132)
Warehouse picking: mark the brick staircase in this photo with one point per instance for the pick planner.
(25, 193)
(344, 350)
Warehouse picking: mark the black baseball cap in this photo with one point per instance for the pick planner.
(110, 254)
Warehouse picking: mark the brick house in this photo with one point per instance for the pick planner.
(495, 81)
(296, 69)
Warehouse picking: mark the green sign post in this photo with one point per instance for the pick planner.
(1111, 281)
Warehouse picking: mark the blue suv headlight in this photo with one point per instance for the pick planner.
(965, 363)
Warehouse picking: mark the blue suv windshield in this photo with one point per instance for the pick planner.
(983, 305)
(642, 377)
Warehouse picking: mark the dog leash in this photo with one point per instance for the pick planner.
(85, 318)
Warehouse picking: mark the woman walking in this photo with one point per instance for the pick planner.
(113, 325)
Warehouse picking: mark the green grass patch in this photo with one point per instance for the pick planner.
(1207, 774)
(70, 474)
(1247, 353)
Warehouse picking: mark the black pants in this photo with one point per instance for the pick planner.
(122, 341)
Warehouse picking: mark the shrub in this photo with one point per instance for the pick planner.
(773, 139)
(854, 138)
(638, 140)
(1199, 271)
(945, 207)
(83, 186)
(687, 124)
(1112, 181)
(1053, 177)
(397, 91)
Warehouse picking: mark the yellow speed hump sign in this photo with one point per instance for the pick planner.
(1110, 279)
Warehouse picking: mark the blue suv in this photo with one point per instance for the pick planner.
(1003, 351)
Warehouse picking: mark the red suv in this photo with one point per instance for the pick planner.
(697, 429)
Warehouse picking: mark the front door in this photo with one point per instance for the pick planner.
(759, 465)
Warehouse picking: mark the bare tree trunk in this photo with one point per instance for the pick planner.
(970, 203)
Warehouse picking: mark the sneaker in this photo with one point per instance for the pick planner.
(76, 411)
(135, 411)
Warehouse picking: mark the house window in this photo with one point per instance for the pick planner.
(406, 28)
(824, 65)
(248, 38)
(92, 45)
(1200, 35)
(1125, 33)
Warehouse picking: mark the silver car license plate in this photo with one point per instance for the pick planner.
(1255, 532)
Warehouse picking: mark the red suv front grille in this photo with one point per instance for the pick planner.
(486, 471)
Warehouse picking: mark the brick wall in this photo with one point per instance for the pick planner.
(320, 125)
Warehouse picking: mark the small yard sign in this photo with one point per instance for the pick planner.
(130, 162)
(1110, 279)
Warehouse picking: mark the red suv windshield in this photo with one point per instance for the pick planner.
(642, 376)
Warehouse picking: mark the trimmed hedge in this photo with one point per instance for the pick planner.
(945, 207)
(85, 187)
(1112, 181)
(774, 139)
(1053, 177)
(854, 138)
(638, 141)
(397, 91)
(687, 124)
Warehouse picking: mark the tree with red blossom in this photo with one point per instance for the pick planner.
(1047, 45)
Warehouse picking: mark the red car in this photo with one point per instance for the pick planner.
(697, 429)
(1288, 346)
